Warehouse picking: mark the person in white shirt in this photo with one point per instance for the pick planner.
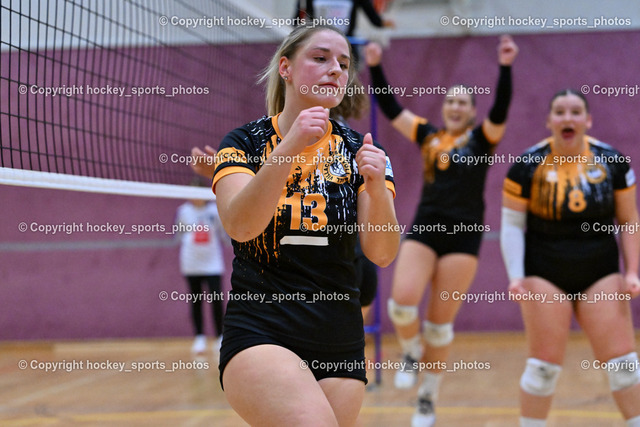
(202, 263)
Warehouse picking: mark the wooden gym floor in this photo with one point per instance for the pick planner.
(161, 384)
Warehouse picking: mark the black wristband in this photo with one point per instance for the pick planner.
(498, 113)
(386, 100)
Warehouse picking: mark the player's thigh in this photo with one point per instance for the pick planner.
(345, 395)
(605, 316)
(413, 270)
(266, 386)
(547, 319)
(453, 275)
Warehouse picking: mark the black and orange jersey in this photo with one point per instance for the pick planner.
(296, 281)
(565, 195)
(455, 171)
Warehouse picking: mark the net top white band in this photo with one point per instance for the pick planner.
(28, 178)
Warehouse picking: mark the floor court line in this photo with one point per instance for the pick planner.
(208, 413)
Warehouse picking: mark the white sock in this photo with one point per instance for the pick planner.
(532, 422)
(412, 346)
(634, 422)
(430, 386)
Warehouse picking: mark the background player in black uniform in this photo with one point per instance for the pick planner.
(566, 192)
(340, 13)
(292, 361)
(343, 13)
(452, 195)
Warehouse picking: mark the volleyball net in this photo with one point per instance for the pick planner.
(110, 96)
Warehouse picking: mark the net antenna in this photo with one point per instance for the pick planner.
(110, 96)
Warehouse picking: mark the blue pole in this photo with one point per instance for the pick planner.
(375, 328)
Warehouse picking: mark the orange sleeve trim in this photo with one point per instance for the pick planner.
(624, 190)
(390, 185)
(512, 187)
(417, 121)
(228, 171)
(515, 198)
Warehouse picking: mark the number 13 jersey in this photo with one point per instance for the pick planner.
(297, 278)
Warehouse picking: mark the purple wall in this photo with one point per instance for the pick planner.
(89, 284)
(92, 285)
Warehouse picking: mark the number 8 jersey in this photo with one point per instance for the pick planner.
(302, 266)
(565, 193)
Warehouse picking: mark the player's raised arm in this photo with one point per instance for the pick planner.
(495, 124)
(401, 119)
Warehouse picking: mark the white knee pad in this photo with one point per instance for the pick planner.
(401, 315)
(634, 422)
(437, 335)
(540, 377)
(623, 371)
(532, 422)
